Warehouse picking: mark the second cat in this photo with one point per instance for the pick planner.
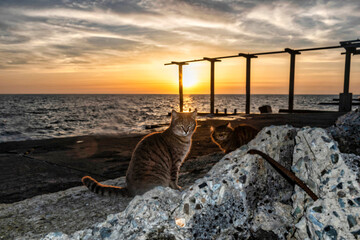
(228, 138)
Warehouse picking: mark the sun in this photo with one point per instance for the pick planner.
(189, 78)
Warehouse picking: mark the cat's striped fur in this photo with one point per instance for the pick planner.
(156, 159)
(228, 138)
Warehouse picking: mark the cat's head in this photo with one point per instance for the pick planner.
(221, 133)
(183, 124)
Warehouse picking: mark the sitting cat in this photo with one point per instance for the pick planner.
(228, 139)
(156, 159)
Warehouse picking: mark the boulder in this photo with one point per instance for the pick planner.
(265, 109)
(353, 162)
(347, 132)
(319, 163)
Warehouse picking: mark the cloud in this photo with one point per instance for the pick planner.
(89, 33)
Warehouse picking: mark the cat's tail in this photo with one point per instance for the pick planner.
(102, 189)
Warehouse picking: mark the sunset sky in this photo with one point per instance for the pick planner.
(106, 46)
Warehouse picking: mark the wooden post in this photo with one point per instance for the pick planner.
(212, 86)
(345, 98)
(181, 95)
(212, 82)
(292, 77)
(347, 70)
(248, 71)
(291, 82)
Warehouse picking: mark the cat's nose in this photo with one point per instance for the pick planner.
(186, 130)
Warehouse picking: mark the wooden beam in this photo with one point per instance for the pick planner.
(352, 43)
(317, 48)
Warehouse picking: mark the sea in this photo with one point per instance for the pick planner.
(30, 117)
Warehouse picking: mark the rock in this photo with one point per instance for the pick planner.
(265, 109)
(319, 163)
(195, 168)
(347, 131)
(241, 196)
(353, 162)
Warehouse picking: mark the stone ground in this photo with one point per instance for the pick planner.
(77, 207)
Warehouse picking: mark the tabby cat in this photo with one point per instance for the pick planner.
(228, 139)
(156, 159)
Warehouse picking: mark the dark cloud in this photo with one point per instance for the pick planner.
(102, 43)
(36, 4)
(216, 6)
(17, 61)
(8, 38)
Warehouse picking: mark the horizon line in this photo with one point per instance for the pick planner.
(168, 94)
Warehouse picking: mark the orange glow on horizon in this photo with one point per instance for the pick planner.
(269, 75)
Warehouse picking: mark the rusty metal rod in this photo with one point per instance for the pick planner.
(285, 171)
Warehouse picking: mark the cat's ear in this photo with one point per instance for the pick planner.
(229, 125)
(174, 114)
(212, 129)
(193, 114)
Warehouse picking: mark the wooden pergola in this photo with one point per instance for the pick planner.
(345, 103)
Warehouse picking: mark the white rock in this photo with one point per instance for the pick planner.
(319, 163)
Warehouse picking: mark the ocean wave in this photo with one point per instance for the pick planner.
(24, 117)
